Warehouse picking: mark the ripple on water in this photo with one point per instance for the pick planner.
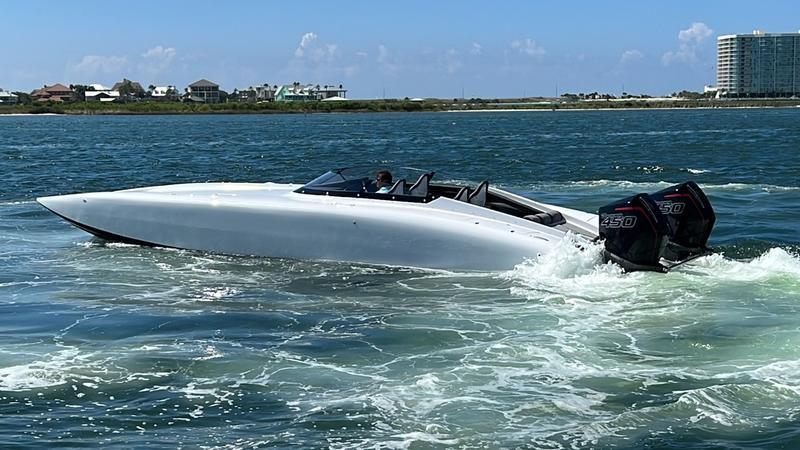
(122, 345)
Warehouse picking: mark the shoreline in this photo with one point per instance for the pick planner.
(664, 108)
(372, 106)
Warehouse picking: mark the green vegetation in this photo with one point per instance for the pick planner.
(153, 107)
(218, 108)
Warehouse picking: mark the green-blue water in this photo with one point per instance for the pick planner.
(130, 347)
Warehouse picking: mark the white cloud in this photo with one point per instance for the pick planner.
(476, 49)
(95, 64)
(696, 33)
(309, 49)
(385, 59)
(160, 53)
(451, 61)
(630, 55)
(528, 47)
(689, 42)
(153, 61)
(313, 59)
(305, 41)
(157, 58)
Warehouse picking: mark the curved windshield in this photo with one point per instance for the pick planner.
(338, 180)
(360, 181)
(326, 178)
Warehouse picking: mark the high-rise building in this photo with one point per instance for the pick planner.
(758, 65)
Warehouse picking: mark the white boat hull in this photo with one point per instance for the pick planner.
(273, 221)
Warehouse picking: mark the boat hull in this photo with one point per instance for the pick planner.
(272, 220)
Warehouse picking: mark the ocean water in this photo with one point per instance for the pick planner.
(130, 347)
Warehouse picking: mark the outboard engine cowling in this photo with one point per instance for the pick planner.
(690, 217)
(635, 233)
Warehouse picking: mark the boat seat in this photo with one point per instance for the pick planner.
(463, 195)
(503, 208)
(550, 219)
(478, 197)
(399, 188)
(420, 188)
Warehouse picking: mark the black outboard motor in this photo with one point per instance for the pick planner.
(691, 218)
(674, 224)
(635, 233)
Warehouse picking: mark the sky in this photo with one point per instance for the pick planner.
(378, 49)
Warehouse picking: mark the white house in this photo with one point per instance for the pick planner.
(7, 97)
(161, 92)
(98, 93)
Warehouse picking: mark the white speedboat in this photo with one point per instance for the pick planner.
(341, 217)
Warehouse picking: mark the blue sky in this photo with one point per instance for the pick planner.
(376, 48)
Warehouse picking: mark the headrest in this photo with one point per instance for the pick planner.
(399, 187)
(463, 195)
(420, 188)
(479, 196)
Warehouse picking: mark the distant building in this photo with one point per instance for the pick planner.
(204, 90)
(243, 95)
(8, 98)
(758, 65)
(164, 93)
(99, 93)
(331, 91)
(257, 94)
(265, 92)
(709, 90)
(55, 93)
(297, 92)
(128, 88)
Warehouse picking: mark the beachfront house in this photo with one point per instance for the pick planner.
(54, 93)
(255, 94)
(163, 93)
(128, 89)
(331, 91)
(7, 98)
(296, 92)
(98, 93)
(203, 91)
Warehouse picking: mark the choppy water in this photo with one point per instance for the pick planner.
(130, 347)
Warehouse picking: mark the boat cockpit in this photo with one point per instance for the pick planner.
(348, 182)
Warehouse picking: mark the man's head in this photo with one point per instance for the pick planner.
(383, 178)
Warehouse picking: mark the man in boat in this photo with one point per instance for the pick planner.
(383, 180)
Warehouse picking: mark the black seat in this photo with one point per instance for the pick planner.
(420, 188)
(399, 188)
(547, 218)
(463, 195)
(503, 207)
(478, 197)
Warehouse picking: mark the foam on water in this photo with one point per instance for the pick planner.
(650, 186)
(52, 371)
(139, 347)
(774, 263)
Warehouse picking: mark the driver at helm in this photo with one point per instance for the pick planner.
(383, 180)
